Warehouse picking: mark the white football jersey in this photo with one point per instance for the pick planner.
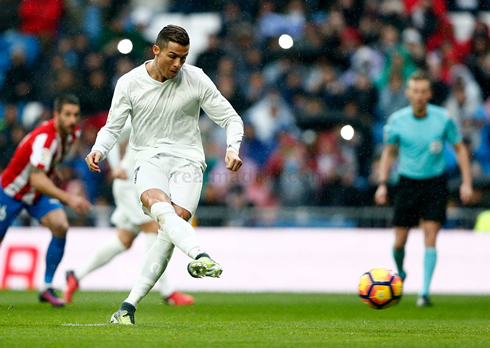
(164, 115)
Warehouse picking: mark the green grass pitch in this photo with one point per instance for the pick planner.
(245, 320)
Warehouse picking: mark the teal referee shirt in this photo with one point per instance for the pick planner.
(421, 140)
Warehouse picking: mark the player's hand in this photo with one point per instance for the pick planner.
(233, 162)
(381, 195)
(465, 193)
(93, 160)
(119, 173)
(79, 204)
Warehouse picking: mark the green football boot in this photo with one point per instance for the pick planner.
(204, 266)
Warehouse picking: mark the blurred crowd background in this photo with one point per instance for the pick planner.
(347, 66)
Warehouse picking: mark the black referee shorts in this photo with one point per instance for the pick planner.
(420, 199)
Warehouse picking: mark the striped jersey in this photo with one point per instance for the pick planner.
(42, 148)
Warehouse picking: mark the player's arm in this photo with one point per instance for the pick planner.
(108, 135)
(42, 183)
(114, 156)
(386, 162)
(466, 189)
(222, 113)
(453, 135)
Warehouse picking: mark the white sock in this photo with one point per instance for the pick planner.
(45, 287)
(153, 266)
(181, 234)
(104, 254)
(165, 288)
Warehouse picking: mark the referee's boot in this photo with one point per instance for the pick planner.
(424, 301)
(204, 266)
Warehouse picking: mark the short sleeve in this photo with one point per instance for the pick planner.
(42, 153)
(389, 134)
(453, 134)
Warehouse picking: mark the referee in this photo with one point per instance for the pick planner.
(419, 132)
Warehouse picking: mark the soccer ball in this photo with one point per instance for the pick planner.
(380, 288)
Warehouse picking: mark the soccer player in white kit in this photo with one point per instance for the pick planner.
(163, 98)
(129, 220)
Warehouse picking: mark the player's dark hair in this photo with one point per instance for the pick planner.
(65, 99)
(172, 33)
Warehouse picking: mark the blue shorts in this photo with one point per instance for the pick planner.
(11, 207)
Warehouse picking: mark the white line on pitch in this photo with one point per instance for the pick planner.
(84, 324)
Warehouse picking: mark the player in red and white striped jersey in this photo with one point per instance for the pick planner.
(26, 183)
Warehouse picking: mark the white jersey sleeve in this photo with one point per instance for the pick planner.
(221, 112)
(121, 108)
(114, 156)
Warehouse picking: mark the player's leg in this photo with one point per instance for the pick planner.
(105, 253)
(170, 296)
(185, 190)
(431, 229)
(154, 187)
(407, 214)
(154, 264)
(401, 235)
(435, 203)
(9, 209)
(57, 222)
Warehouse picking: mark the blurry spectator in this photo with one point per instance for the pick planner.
(253, 148)
(272, 24)
(41, 17)
(412, 41)
(364, 94)
(208, 60)
(7, 125)
(292, 86)
(327, 85)
(237, 202)
(256, 88)
(270, 115)
(232, 17)
(368, 30)
(260, 192)
(459, 105)
(9, 16)
(227, 87)
(392, 97)
(440, 89)
(96, 96)
(424, 18)
(123, 66)
(18, 86)
(114, 32)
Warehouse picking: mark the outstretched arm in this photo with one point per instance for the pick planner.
(387, 159)
(41, 182)
(108, 135)
(222, 113)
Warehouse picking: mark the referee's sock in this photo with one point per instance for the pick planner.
(399, 256)
(429, 265)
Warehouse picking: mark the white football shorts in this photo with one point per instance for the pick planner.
(179, 178)
(128, 214)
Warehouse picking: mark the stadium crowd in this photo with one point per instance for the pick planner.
(347, 66)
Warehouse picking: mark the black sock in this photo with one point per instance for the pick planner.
(201, 255)
(126, 306)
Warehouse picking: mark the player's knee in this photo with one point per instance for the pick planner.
(127, 243)
(181, 212)
(59, 229)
